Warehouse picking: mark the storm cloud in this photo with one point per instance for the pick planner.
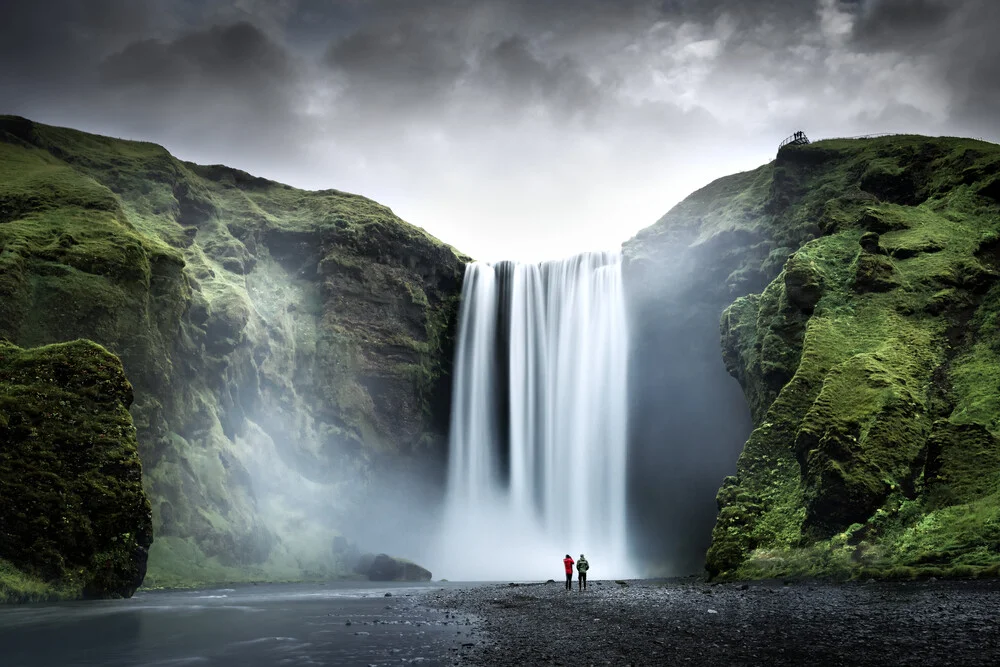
(507, 128)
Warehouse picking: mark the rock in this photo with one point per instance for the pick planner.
(869, 242)
(803, 283)
(364, 563)
(73, 515)
(386, 568)
(874, 273)
(879, 222)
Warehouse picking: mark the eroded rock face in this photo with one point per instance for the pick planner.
(864, 356)
(73, 516)
(289, 350)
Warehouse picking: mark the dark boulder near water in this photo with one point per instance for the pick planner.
(387, 568)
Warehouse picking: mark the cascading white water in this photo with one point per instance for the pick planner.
(538, 426)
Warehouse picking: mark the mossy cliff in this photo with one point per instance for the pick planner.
(863, 289)
(288, 349)
(74, 520)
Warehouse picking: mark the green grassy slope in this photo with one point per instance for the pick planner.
(251, 317)
(869, 358)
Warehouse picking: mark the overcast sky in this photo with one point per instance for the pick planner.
(509, 128)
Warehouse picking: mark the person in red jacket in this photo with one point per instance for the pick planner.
(568, 564)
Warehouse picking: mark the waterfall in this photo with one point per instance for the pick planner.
(537, 452)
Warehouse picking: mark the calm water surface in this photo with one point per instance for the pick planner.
(243, 625)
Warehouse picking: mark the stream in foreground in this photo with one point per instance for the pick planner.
(241, 626)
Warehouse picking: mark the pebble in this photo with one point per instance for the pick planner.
(810, 623)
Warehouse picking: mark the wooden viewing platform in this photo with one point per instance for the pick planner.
(796, 139)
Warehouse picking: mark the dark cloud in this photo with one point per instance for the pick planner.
(55, 40)
(520, 77)
(230, 56)
(404, 60)
(888, 23)
(590, 110)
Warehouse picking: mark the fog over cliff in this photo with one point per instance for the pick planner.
(570, 124)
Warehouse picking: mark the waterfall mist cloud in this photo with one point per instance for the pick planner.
(506, 128)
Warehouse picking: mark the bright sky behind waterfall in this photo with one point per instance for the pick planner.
(509, 128)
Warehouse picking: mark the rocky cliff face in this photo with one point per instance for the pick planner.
(74, 520)
(861, 279)
(288, 349)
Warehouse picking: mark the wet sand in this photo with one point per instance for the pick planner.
(767, 623)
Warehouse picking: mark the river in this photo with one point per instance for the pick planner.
(341, 623)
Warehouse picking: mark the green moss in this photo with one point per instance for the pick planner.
(72, 510)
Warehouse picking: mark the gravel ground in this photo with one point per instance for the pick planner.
(689, 622)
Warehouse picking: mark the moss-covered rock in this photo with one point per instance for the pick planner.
(74, 520)
(868, 362)
(285, 346)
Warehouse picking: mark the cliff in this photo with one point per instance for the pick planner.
(857, 283)
(289, 350)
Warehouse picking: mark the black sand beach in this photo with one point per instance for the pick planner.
(767, 623)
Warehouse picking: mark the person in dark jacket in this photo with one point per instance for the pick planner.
(568, 564)
(581, 567)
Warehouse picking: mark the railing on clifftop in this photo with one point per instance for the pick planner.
(796, 139)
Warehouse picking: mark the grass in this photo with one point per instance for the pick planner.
(18, 587)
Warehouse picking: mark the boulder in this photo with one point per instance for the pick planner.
(387, 568)
(364, 563)
(74, 519)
